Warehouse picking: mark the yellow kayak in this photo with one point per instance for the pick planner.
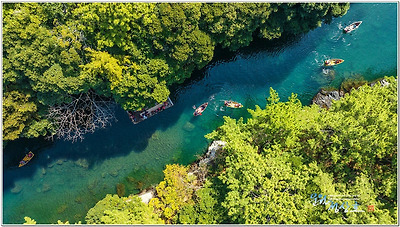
(26, 159)
(233, 104)
(332, 62)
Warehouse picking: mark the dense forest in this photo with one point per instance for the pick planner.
(66, 64)
(283, 166)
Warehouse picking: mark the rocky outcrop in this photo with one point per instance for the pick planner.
(198, 168)
(324, 97)
(212, 150)
(147, 195)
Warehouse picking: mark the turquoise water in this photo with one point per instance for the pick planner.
(66, 179)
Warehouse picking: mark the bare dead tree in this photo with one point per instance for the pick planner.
(84, 114)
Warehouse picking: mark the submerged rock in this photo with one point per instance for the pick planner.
(82, 163)
(16, 189)
(62, 208)
(46, 188)
(78, 200)
(188, 127)
(120, 190)
(114, 173)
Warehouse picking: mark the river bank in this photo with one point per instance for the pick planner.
(325, 96)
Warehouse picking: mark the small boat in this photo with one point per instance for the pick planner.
(332, 62)
(26, 159)
(200, 109)
(233, 104)
(352, 27)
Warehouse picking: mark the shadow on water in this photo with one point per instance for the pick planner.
(119, 139)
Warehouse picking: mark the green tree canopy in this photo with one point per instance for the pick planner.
(125, 210)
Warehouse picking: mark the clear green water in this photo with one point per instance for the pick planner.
(57, 185)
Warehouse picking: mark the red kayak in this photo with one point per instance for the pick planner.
(200, 109)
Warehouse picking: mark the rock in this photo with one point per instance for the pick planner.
(82, 163)
(78, 200)
(212, 149)
(324, 98)
(46, 188)
(17, 189)
(60, 161)
(114, 173)
(50, 165)
(188, 127)
(62, 208)
(146, 196)
(120, 190)
(384, 83)
(43, 171)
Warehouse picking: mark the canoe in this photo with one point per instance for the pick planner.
(233, 104)
(200, 109)
(352, 27)
(26, 159)
(332, 62)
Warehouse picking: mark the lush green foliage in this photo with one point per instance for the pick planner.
(121, 210)
(174, 192)
(130, 52)
(285, 155)
(286, 152)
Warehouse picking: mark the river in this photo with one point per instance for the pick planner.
(66, 179)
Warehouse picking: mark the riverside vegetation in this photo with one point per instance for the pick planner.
(273, 164)
(60, 57)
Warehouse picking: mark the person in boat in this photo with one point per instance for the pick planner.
(237, 105)
(22, 162)
(30, 155)
(226, 103)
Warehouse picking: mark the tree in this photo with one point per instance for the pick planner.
(270, 163)
(130, 52)
(174, 192)
(124, 210)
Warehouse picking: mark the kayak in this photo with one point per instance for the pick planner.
(200, 109)
(233, 104)
(332, 62)
(26, 159)
(352, 27)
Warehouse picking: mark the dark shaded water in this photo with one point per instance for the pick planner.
(66, 179)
